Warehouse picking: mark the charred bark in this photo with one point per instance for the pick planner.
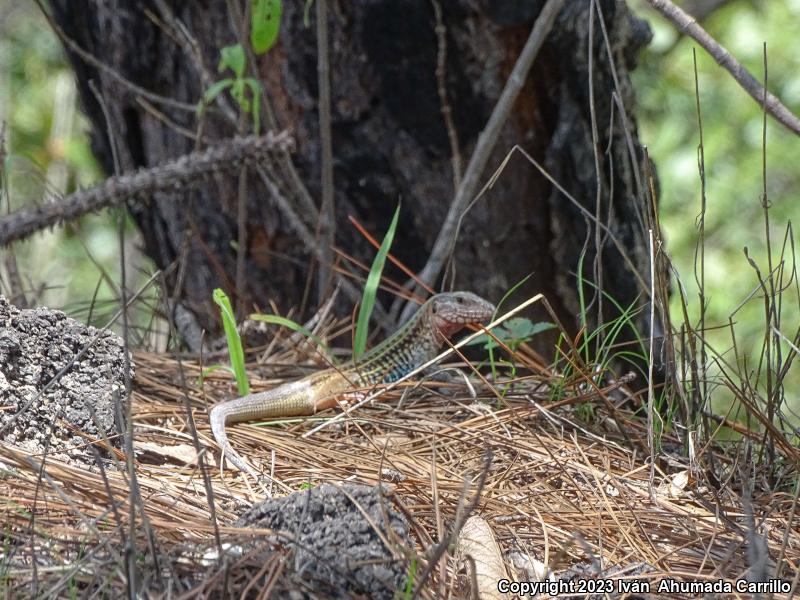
(390, 141)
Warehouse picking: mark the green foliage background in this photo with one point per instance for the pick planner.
(732, 134)
(48, 154)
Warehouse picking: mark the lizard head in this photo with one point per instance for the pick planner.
(450, 311)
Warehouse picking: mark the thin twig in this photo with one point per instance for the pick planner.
(326, 224)
(689, 25)
(651, 396)
(773, 347)
(241, 241)
(124, 403)
(462, 514)
(701, 386)
(598, 236)
(239, 27)
(441, 86)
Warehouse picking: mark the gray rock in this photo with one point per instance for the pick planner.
(337, 550)
(35, 345)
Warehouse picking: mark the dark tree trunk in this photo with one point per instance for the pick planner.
(390, 141)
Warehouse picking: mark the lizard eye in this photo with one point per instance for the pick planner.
(434, 309)
(459, 300)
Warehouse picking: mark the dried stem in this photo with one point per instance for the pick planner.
(184, 170)
(689, 25)
(326, 227)
(441, 86)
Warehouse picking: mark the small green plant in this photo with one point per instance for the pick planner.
(234, 341)
(594, 352)
(512, 333)
(371, 289)
(211, 369)
(233, 58)
(265, 17)
(73, 583)
(235, 350)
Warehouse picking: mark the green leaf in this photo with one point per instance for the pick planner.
(234, 341)
(371, 289)
(265, 22)
(518, 328)
(284, 322)
(523, 329)
(410, 577)
(232, 57)
(214, 90)
(540, 327)
(512, 333)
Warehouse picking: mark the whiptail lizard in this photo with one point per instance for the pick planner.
(411, 346)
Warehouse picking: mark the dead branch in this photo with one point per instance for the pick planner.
(689, 25)
(115, 190)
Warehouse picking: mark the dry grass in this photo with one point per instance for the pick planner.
(554, 490)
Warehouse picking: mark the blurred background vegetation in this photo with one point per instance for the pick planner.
(48, 153)
(732, 141)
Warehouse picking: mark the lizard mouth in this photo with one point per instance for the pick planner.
(449, 327)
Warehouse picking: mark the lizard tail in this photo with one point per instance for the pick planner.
(288, 400)
(218, 417)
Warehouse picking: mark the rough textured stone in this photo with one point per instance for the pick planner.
(337, 548)
(35, 345)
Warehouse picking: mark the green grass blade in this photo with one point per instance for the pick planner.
(582, 305)
(234, 341)
(371, 289)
